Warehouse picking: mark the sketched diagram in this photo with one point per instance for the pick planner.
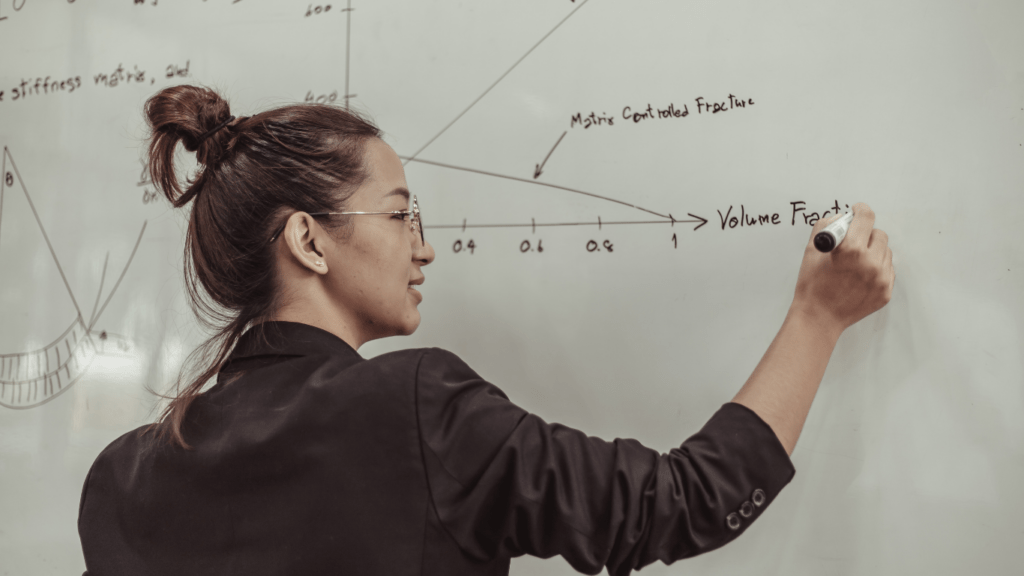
(651, 217)
(34, 377)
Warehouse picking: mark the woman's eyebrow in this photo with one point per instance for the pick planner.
(399, 192)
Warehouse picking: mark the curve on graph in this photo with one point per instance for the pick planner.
(28, 379)
(536, 183)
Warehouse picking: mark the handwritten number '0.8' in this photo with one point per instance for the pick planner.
(9, 178)
(458, 247)
(593, 246)
(525, 246)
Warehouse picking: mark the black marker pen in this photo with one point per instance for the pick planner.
(833, 234)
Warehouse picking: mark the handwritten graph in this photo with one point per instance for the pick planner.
(33, 377)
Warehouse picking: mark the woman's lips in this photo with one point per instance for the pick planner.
(416, 294)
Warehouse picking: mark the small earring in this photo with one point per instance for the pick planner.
(319, 263)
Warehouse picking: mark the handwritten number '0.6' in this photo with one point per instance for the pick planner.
(524, 246)
(457, 247)
(593, 246)
(9, 178)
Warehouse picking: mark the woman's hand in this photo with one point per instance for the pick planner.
(840, 287)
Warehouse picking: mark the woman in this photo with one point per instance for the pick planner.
(304, 458)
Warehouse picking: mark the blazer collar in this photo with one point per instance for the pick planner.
(289, 339)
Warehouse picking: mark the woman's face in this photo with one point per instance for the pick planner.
(374, 268)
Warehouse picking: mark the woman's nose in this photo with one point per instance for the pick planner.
(424, 253)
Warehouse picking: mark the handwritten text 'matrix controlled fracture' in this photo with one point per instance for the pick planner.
(671, 111)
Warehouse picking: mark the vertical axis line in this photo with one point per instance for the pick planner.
(3, 185)
(348, 46)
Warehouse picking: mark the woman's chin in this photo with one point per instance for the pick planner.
(412, 322)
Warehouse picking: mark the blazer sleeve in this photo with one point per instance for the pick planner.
(505, 482)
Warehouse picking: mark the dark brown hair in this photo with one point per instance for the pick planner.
(254, 173)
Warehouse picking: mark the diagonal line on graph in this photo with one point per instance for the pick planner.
(53, 253)
(480, 97)
(99, 292)
(536, 183)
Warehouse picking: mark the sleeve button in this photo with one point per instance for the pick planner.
(758, 497)
(746, 509)
(733, 521)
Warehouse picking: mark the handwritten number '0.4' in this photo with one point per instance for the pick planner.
(470, 246)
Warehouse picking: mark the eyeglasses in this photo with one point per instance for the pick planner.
(415, 223)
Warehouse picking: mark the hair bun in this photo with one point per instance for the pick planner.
(211, 143)
(194, 116)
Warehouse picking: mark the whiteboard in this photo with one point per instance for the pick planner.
(634, 250)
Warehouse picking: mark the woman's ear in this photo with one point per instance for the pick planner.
(306, 241)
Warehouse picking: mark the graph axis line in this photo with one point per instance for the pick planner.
(348, 49)
(3, 188)
(533, 224)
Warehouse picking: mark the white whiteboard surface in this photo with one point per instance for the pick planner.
(912, 459)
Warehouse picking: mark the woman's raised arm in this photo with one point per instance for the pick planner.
(834, 291)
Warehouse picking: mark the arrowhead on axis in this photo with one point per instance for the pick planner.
(703, 221)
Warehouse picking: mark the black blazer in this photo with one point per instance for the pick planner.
(309, 459)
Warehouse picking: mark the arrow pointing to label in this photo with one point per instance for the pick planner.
(539, 167)
(702, 221)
